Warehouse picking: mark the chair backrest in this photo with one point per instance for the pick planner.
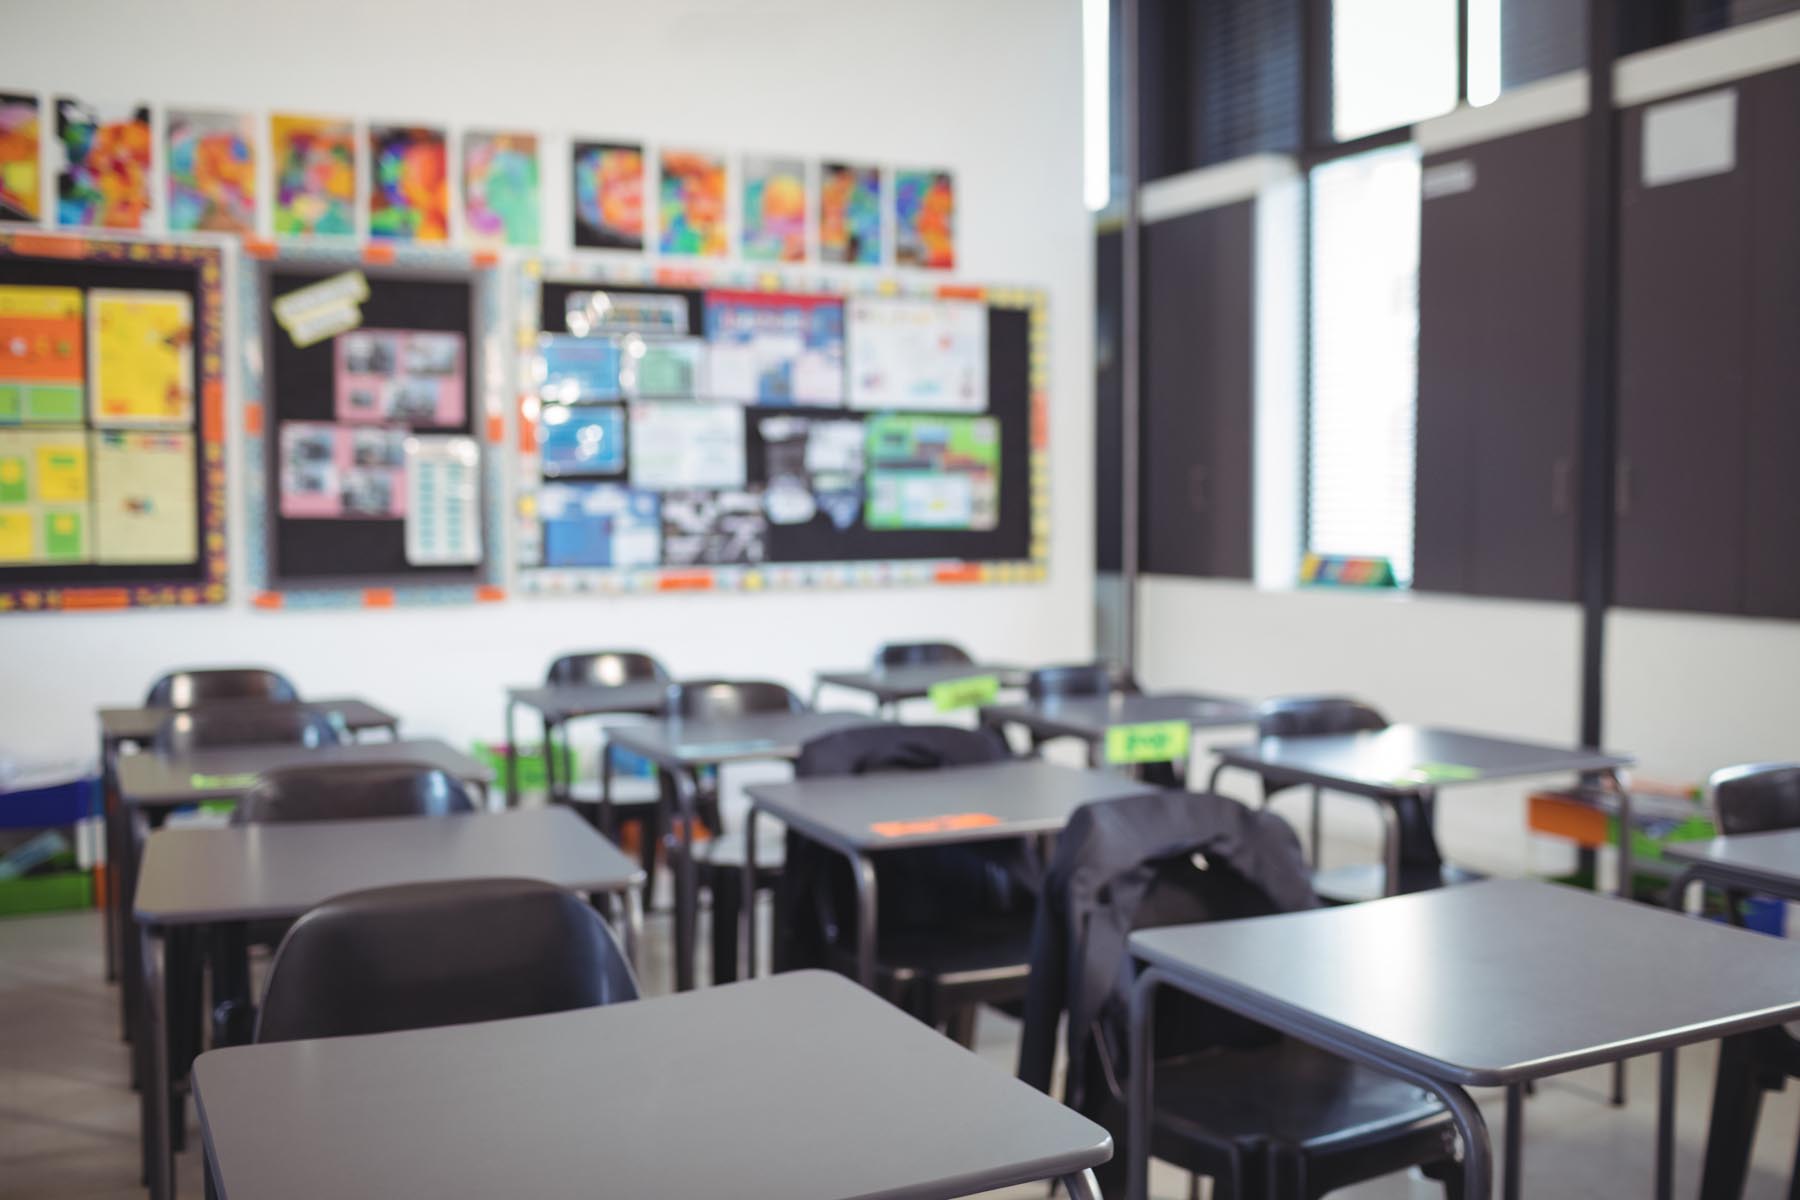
(186, 689)
(1757, 797)
(608, 668)
(1079, 679)
(244, 725)
(1315, 716)
(870, 748)
(349, 791)
(917, 654)
(724, 699)
(427, 954)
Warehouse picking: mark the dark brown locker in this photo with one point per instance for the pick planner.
(1197, 393)
(1684, 313)
(1500, 368)
(1771, 139)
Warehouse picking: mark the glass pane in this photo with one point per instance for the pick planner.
(1365, 331)
(1393, 62)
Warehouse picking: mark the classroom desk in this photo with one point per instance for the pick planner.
(1470, 986)
(150, 785)
(852, 1099)
(1404, 761)
(1089, 717)
(139, 726)
(682, 748)
(195, 880)
(1768, 863)
(892, 685)
(558, 704)
(860, 816)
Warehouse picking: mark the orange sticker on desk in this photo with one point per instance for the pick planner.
(948, 823)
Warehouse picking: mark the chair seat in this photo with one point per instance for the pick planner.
(989, 955)
(1287, 1096)
(727, 852)
(628, 792)
(1353, 885)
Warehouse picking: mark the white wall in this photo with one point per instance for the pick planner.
(990, 90)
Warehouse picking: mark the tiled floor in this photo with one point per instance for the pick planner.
(68, 1122)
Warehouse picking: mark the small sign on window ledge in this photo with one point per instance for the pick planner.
(1346, 570)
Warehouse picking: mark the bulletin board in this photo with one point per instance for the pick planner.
(692, 429)
(112, 474)
(372, 427)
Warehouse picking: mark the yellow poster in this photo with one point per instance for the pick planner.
(43, 497)
(144, 497)
(141, 361)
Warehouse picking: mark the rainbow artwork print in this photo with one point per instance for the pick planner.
(212, 172)
(314, 168)
(774, 210)
(924, 219)
(500, 188)
(21, 137)
(691, 204)
(104, 180)
(608, 195)
(850, 214)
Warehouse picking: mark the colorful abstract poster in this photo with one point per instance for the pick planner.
(409, 184)
(691, 203)
(21, 140)
(850, 214)
(933, 472)
(500, 188)
(43, 497)
(609, 195)
(913, 354)
(774, 210)
(332, 471)
(314, 167)
(144, 498)
(140, 357)
(104, 179)
(410, 377)
(600, 525)
(42, 355)
(924, 219)
(772, 348)
(212, 172)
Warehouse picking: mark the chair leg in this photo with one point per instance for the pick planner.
(961, 1021)
(1448, 1172)
(651, 830)
(1737, 1101)
(727, 888)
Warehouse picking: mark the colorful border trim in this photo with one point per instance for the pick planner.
(528, 535)
(209, 261)
(489, 426)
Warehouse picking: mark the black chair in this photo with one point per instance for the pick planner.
(1079, 679)
(351, 791)
(954, 922)
(428, 954)
(250, 725)
(606, 668)
(1755, 798)
(211, 685)
(719, 861)
(1422, 866)
(1262, 1114)
(328, 792)
(919, 654)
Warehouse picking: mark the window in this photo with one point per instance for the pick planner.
(1393, 62)
(1098, 78)
(1365, 330)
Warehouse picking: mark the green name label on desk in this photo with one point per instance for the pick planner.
(1438, 773)
(223, 783)
(1151, 742)
(972, 692)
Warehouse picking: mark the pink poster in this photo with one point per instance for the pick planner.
(401, 376)
(328, 471)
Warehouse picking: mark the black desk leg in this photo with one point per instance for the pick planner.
(1081, 1187)
(1515, 1140)
(686, 886)
(1665, 1127)
(512, 757)
(109, 928)
(1737, 1102)
(232, 1010)
(746, 930)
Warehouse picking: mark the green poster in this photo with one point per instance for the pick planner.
(64, 534)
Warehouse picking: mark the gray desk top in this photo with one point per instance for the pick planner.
(852, 1099)
(894, 810)
(1770, 861)
(1091, 716)
(561, 702)
(910, 682)
(251, 872)
(677, 743)
(1405, 758)
(1490, 983)
(141, 724)
(156, 781)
